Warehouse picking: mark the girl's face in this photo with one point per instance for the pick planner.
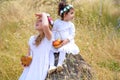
(38, 24)
(69, 16)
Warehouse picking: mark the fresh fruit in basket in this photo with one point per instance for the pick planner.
(26, 60)
(57, 43)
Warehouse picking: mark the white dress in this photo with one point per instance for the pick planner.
(65, 30)
(40, 63)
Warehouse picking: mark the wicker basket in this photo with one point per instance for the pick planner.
(26, 60)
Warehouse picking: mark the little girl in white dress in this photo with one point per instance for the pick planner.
(40, 47)
(64, 29)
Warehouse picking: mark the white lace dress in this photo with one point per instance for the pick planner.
(40, 63)
(65, 30)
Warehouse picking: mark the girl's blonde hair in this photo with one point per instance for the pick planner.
(41, 35)
(39, 38)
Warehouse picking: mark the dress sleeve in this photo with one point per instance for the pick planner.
(71, 32)
(54, 30)
(55, 25)
(30, 40)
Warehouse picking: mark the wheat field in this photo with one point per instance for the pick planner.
(97, 25)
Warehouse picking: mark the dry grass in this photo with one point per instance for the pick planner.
(95, 34)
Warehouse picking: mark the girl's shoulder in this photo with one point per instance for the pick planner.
(71, 23)
(61, 21)
(31, 39)
(57, 21)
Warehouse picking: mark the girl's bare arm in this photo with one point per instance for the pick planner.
(45, 25)
(28, 54)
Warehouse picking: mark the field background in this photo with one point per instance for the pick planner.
(97, 25)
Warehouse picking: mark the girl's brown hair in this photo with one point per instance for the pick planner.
(61, 6)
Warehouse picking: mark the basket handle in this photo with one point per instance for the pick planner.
(57, 35)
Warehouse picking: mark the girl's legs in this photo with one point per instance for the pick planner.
(61, 60)
(52, 61)
(61, 57)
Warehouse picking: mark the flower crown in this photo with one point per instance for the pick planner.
(66, 9)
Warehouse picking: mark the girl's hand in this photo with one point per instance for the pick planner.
(65, 42)
(38, 15)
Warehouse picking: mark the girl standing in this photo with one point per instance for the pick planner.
(40, 47)
(63, 28)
